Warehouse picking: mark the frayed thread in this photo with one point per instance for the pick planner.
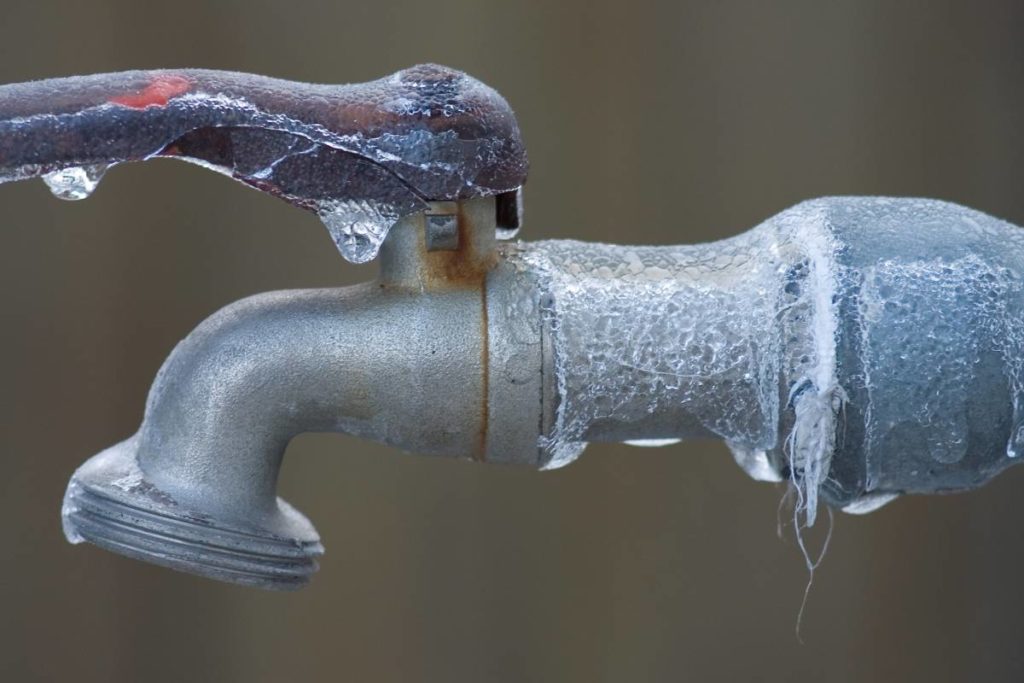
(811, 442)
(809, 449)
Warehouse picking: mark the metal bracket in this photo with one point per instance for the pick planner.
(442, 227)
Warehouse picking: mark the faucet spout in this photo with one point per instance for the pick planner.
(405, 360)
(264, 370)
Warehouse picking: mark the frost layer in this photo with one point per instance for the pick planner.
(668, 342)
(863, 347)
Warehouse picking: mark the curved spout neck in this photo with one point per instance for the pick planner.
(432, 358)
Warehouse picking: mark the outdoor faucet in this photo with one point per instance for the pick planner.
(860, 348)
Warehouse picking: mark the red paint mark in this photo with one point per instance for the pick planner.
(156, 94)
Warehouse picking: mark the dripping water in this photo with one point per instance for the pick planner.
(1016, 442)
(358, 227)
(75, 182)
(651, 443)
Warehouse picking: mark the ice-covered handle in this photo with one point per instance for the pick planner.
(360, 156)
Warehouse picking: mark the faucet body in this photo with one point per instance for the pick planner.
(441, 355)
(861, 348)
(798, 343)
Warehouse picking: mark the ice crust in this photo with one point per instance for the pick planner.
(862, 347)
(932, 303)
(663, 342)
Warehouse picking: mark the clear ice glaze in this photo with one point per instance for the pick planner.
(863, 347)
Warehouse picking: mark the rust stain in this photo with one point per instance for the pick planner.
(463, 268)
(467, 268)
(158, 93)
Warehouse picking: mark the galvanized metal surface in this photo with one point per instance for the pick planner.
(407, 360)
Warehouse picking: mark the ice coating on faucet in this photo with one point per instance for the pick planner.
(861, 347)
(932, 301)
(665, 342)
(381, 149)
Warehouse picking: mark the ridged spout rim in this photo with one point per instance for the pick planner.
(111, 504)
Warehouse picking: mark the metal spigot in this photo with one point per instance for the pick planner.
(859, 347)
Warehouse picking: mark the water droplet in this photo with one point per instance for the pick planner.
(755, 462)
(560, 452)
(1015, 445)
(505, 234)
(358, 227)
(1016, 442)
(869, 503)
(75, 182)
(651, 443)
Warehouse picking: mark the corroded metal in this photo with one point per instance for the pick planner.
(361, 156)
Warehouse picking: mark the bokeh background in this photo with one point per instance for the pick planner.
(650, 122)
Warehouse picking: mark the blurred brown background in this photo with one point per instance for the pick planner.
(658, 122)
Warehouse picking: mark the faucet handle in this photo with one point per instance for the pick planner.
(360, 156)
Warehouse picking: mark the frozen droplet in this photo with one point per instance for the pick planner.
(651, 443)
(1016, 442)
(754, 462)
(869, 503)
(1015, 445)
(358, 227)
(560, 452)
(75, 182)
(505, 234)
